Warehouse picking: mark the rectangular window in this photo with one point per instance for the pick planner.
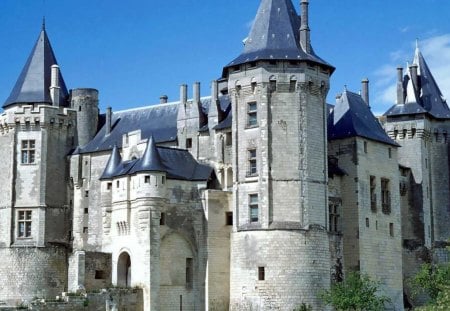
(390, 153)
(85, 230)
(391, 229)
(261, 273)
(118, 184)
(252, 114)
(254, 209)
(365, 147)
(163, 180)
(385, 196)
(252, 164)
(28, 151)
(86, 210)
(109, 186)
(367, 222)
(333, 217)
(24, 224)
(162, 220)
(373, 195)
(189, 273)
(188, 143)
(229, 218)
(228, 139)
(86, 193)
(147, 179)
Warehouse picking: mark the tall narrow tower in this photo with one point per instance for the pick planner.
(278, 85)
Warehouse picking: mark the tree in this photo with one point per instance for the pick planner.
(431, 279)
(356, 293)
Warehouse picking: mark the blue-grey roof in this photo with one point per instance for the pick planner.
(424, 98)
(226, 123)
(159, 121)
(150, 161)
(178, 164)
(275, 35)
(352, 117)
(113, 163)
(33, 84)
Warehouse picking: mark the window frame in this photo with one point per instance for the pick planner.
(28, 151)
(252, 161)
(252, 114)
(385, 196)
(253, 205)
(27, 222)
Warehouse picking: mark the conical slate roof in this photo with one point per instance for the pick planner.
(426, 97)
(33, 84)
(150, 161)
(352, 117)
(275, 35)
(113, 163)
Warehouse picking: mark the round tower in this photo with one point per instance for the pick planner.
(85, 102)
(280, 253)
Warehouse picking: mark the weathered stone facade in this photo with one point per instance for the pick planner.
(255, 197)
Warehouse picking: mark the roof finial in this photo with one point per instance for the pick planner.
(345, 88)
(43, 22)
(417, 43)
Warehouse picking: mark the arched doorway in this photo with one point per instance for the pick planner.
(124, 270)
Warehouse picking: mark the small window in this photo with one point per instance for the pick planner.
(188, 143)
(118, 184)
(252, 163)
(85, 230)
(24, 224)
(163, 180)
(189, 273)
(109, 186)
(79, 108)
(252, 114)
(253, 206)
(162, 220)
(147, 179)
(391, 229)
(385, 196)
(100, 275)
(86, 210)
(28, 152)
(228, 139)
(373, 195)
(229, 218)
(273, 85)
(333, 217)
(253, 85)
(365, 147)
(367, 222)
(86, 194)
(292, 86)
(261, 273)
(390, 153)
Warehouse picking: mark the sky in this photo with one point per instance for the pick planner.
(134, 51)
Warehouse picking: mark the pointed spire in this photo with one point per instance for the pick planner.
(150, 161)
(278, 33)
(43, 23)
(113, 163)
(33, 84)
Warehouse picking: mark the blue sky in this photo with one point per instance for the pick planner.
(134, 51)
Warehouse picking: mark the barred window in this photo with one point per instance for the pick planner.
(24, 224)
(333, 217)
(28, 151)
(254, 209)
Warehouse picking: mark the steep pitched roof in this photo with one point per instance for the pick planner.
(352, 117)
(275, 35)
(113, 163)
(424, 98)
(33, 84)
(150, 161)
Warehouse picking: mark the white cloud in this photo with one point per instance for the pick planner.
(436, 51)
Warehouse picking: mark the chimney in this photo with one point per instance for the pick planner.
(163, 99)
(54, 85)
(215, 100)
(203, 120)
(108, 120)
(305, 40)
(400, 90)
(365, 91)
(183, 94)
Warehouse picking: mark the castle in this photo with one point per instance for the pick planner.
(255, 197)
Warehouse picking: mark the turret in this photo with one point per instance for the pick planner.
(85, 102)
